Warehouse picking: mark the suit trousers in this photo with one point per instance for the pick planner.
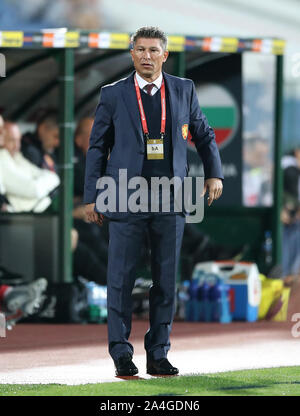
(125, 241)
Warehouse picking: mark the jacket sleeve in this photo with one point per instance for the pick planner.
(101, 139)
(23, 179)
(204, 138)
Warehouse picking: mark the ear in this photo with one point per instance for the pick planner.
(41, 129)
(131, 53)
(166, 54)
(77, 141)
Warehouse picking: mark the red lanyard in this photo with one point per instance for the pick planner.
(142, 112)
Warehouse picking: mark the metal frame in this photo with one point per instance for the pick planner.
(278, 176)
(66, 111)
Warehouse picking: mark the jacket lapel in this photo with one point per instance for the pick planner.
(131, 104)
(173, 99)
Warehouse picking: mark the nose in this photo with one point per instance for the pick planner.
(146, 54)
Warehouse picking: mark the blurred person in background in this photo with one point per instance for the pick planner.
(86, 263)
(90, 257)
(290, 214)
(83, 14)
(19, 301)
(1, 131)
(257, 184)
(37, 14)
(198, 247)
(3, 200)
(27, 187)
(39, 147)
(81, 145)
(91, 238)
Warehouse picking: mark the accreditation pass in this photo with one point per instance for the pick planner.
(155, 149)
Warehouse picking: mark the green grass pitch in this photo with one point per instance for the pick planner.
(282, 381)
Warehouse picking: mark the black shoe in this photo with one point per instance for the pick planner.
(124, 366)
(162, 367)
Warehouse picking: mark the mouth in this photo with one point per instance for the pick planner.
(147, 66)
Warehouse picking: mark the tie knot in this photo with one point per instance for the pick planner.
(148, 88)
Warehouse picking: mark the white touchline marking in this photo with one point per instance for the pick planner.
(253, 356)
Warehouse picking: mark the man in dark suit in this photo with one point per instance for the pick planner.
(149, 107)
(39, 147)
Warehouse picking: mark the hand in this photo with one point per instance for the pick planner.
(79, 213)
(93, 216)
(74, 239)
(214, 187)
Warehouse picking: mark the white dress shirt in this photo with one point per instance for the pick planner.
(142, 83)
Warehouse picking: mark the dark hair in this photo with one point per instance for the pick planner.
(50, 117)
(150, 32)
(293, 151)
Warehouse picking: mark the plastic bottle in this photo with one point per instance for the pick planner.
(183, 298)
(267, 246)
(97, 300)
(214, 296)
(192, 303)
(203, 301)
(226, 315)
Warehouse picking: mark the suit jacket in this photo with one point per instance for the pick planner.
(117, 133)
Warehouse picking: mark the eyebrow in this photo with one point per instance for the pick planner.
(150, 47)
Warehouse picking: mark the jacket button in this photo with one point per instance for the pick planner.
(141, 152)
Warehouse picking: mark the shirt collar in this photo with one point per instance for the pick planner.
(142, 83)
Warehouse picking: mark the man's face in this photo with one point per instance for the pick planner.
(148, 57)
(12, 139)
(1, 132)
(260, 154)
(49, 136)
(83, 137)
(256, 155)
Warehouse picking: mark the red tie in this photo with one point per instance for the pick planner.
(148, 88)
